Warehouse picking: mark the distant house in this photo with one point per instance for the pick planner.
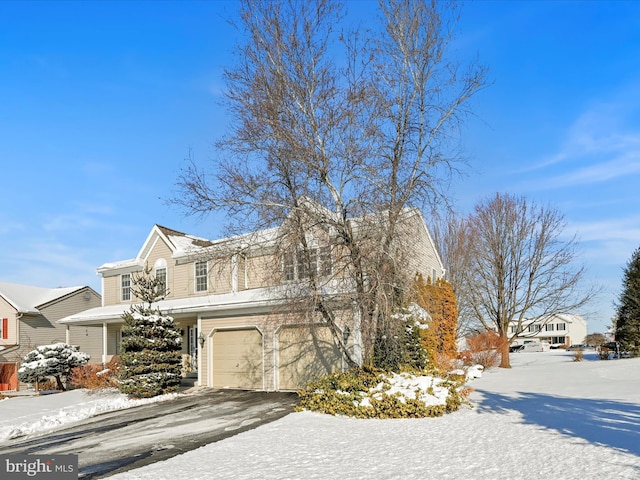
(227, 296)
(29, 317)
(556, 329)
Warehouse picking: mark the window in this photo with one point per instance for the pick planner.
(289, 267)
(326, 268)
(125, 287)
(160, 268)
(512, 329)
(295, 266)
(202, 280)
(534, 328)
(549, 327)
(561, 326)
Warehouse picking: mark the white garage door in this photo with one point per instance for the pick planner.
(237, 359)
(304, 353)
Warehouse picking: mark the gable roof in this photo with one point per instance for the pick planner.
(28, 299)
(185, 245)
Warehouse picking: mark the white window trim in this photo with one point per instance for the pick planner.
(196, 276)
(122, 287)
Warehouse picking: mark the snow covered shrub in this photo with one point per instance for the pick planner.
(369, 393)
(151, 359)
(55, 360)
(95, 376)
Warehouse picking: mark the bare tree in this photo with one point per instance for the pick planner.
(519, 265)
(342, 129)
(454, 245)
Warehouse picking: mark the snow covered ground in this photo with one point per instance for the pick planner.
(25, 415)
(546, 418)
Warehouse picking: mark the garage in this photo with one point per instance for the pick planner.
(237, 359)
(305, 352)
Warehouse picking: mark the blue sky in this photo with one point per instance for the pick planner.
(100, 103)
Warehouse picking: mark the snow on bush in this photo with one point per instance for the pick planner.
(55, 360)
(367, 393)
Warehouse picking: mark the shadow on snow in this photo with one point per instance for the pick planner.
(604, 422)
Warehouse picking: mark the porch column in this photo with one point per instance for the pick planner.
(104, 343)
(199, 347)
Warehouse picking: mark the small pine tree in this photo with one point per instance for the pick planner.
(151, 357)
(628, 319)
(403, 349)
(55, 360)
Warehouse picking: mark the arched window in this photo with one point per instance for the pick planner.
(160, 272)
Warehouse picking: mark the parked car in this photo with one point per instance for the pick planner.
(576, 346)
(516, 348)
(615, 346)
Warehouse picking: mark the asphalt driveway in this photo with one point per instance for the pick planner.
(126, 439)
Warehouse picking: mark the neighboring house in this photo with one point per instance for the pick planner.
(557, 329)
(30, 317)
(227, 298)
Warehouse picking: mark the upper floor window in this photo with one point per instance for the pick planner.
(202, 277)
(561, 326)
(125, 287)
(534, 328)
(160, 269)
(549, 327)
(297, 267)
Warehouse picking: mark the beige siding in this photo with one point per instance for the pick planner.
(111, 293)
(74, 303)
(7, 311)
(304, 353)
(85, 338)
(38, 330)
(422, 257)
(262, 271)
(182, 279)
(89, 339)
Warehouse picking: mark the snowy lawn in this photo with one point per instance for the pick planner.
(546, 418)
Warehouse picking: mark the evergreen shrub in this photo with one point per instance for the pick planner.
(368, 393)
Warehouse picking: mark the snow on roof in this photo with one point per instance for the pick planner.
(258, 297)
(27, 298)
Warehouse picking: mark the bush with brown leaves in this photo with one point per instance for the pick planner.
(95, 376)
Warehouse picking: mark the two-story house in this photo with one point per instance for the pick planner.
(29, 317)
(559, 330)
(227, 297)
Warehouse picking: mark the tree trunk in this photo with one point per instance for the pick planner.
(59, 383)
(504, 352)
